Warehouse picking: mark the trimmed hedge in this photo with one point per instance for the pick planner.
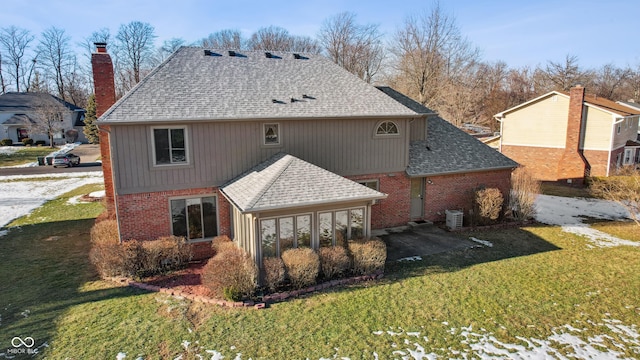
(303, 266)
(231, 274)
(273, 273)
(334, 261)
(368, 256)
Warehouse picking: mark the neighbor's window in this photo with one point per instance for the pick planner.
(194, 218)
(271, 134)
(371, 184)
(387, 128)
(169, 146)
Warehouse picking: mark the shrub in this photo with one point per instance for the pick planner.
(334, 261)
(524, 190)
(222, 243)
(488, 205)
(274, 273)
(303, 266)
(623, 187)
(163, 255)
(71, 135)
(135, 258)
(27, 141)
(6, 142)
(40, 143)
(231, 274)
(368, 256)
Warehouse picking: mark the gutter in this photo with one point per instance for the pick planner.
(465, 171)
(301, 205)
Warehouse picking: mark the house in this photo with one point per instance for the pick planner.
(276, 150)
(565, 136)
(636, 107)
(19, 111)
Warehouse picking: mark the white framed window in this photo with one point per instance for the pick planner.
(370, 183)
(169, 145)
(271, 132)
(279, 234)
(194, 218)
(629, 157)
(619, 128)
(386, 128)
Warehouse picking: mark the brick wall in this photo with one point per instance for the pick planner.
(573, 164)
(394, 210)
(455, 192)
(147, 216)
(545, 162)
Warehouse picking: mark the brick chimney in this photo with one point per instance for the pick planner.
(104, 85)
(573, 166)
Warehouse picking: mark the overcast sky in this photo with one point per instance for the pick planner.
(517, 32)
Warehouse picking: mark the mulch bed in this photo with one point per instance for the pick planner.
(188, 280)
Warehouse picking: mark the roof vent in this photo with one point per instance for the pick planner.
(305, 96)
(297, 56)
(268, 55)
(232, 53)
(210, 53)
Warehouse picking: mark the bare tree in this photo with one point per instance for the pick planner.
(49, 119)
(562, 75)
(272, 38)
(56, 57)
(305, 44)
(357, 48)
(135, 41)
(430, 52)
(101, 36)
(14, 44)
(609, 81)
(168, 47)
(224, 39)
(623, 188)
(3, 86)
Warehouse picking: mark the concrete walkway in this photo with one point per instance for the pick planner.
(420, 240)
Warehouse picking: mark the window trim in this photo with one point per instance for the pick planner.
(186, 145)
(196, 196)
(278, 135)
(387, 135)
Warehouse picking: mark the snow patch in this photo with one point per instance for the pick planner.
(481, 242)
(411, 258)
(121, 356)
(569, 213)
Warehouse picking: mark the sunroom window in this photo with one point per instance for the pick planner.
(283, 233)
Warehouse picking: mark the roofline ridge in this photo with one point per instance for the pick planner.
(275, 178)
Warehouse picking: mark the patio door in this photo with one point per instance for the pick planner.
(417, 201)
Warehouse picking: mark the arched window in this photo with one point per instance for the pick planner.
(387, 128)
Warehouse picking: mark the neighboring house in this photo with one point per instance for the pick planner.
(20, 111)
(636, 107)
(562, 136)
(277, 150)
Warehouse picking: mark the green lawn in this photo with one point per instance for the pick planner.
(529, 284)
(24, 156)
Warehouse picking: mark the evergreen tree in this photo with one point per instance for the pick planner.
(91, 129)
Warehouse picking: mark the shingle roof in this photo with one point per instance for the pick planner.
(285, 181)
(190, 85)
(19, 119)
(447, 150)
(23, 102)
(606, 104)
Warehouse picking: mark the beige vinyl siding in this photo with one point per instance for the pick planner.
(598, 129)
(543, 123)
(220, 151)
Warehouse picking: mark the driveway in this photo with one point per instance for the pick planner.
(421, 240)
(88, 153)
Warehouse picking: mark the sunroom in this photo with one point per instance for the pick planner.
(286, 202)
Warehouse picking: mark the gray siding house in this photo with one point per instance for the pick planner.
(20, 111)
(276, 150)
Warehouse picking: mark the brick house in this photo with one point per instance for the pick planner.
(562, 136)
(277, 150)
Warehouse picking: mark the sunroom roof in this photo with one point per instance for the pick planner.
(284, 181)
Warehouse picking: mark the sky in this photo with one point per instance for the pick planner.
(520, 33)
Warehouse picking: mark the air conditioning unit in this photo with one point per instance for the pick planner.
(454, 219)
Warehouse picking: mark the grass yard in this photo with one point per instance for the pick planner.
(532, 283)
(557, 189)
(24, 156)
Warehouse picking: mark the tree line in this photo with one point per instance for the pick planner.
(426, 58)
